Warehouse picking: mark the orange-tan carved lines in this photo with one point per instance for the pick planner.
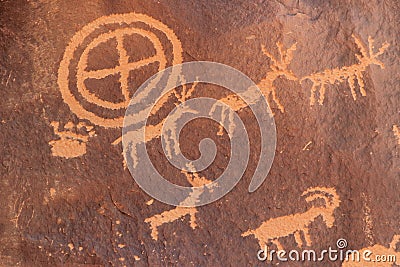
(279, 68)
(99, 74)
(154, 131)
(224, 116)
(170, 216)
(298, 223)
(348, 73)
(185, 94)
(71, 144)
(179, 212)
(123, 68)
(125, 23)
(172, 140)
(389, 253)
(368, 223)
(396, 132)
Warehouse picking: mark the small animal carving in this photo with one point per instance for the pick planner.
(298, 223)
(380, 256)
(179, 212)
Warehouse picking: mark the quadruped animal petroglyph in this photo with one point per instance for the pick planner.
(299, 223)
(158, 220)
(350, 74)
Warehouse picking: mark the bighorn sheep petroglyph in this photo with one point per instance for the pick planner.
(298, 223)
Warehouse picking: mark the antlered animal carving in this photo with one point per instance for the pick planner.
(348, 73)
(279, 68)
(298, 223)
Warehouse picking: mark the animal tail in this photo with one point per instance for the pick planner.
(250, 232)
(304, 78)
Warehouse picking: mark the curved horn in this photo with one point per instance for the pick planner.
(333, 199)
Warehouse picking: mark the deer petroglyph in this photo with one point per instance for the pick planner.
(279, 68)
(350, 74)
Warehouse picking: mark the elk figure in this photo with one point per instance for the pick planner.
(298, 223)
(350, 74)
(278, 68)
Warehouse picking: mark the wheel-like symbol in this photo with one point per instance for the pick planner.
(123, 67)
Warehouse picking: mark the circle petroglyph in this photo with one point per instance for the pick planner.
(153, 28)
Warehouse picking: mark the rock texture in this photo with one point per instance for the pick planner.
(68, 200)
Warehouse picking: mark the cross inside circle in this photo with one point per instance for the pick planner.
(123, 68)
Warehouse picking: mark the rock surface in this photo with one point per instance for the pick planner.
(67, 198)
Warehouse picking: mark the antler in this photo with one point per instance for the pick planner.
(370, 57)
(186, 92)
(285, 56)
(265, 52)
